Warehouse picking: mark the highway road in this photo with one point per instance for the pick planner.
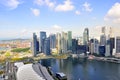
(9, 71)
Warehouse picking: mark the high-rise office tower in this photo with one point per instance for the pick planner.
(64, 42)
(111, 32)
(103, 30)
(112, 41)
(94, 46)
(107, 50)
(103, 39)
(86, 36)
(86, 39)
(42, 39)
(52, 41)
(47, 46)
(69, 40)
(102, 50)
(112, 45)
(37, 45)
(80, 41)
(34, 44)
(91, 47)
(117, 44)
(74, 46)
(107, 47)
(58, 43)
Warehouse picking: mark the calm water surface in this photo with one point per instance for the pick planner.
(82, 69)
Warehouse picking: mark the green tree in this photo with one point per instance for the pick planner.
(8, 54)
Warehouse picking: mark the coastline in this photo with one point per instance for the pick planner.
(113, 60)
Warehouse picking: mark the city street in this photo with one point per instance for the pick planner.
(9, 71)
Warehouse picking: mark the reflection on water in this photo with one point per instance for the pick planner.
(82, 69)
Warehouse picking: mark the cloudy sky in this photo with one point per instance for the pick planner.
(20, 18)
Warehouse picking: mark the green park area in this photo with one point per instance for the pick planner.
(20, 50)
(21, 54)
(14, 54)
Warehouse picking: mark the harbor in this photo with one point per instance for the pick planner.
(84, 69)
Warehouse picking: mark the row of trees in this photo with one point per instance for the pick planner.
(20, 50)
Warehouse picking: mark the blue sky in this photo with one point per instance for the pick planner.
(20, 18)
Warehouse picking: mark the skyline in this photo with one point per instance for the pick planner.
(19, 18)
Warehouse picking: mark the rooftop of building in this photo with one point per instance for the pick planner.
(33, 72)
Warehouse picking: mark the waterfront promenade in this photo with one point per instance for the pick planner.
(91, 57)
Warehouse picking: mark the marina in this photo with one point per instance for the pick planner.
(84, 69)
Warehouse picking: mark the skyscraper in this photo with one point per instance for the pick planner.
(111, 32)
(103, 39)
(94, 46)
(58, 43)
(86, 36)
(42, 39)
(34, 44)
(47, 46)
(69, 40)
(86, 39)
(107, 46)
(52, 41)
(112, 45)
(102, 50)
(117, 44)
(64, 42)
(107, 50)
(37, 45)
(103, 30)
(74, 46)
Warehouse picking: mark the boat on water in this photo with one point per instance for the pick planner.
(61, 76)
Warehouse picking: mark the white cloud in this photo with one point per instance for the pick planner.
(39, 2)
(113, 14)
(77, 12)
(36, 12)
(56, 27)
(67, 6)
(24, 31)
(87, 7)
(49, 3)
(12, 4)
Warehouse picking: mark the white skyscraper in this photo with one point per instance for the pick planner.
(107, 50)
(64, 42)
(92, 48)
(86, 36)
(58, 43)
